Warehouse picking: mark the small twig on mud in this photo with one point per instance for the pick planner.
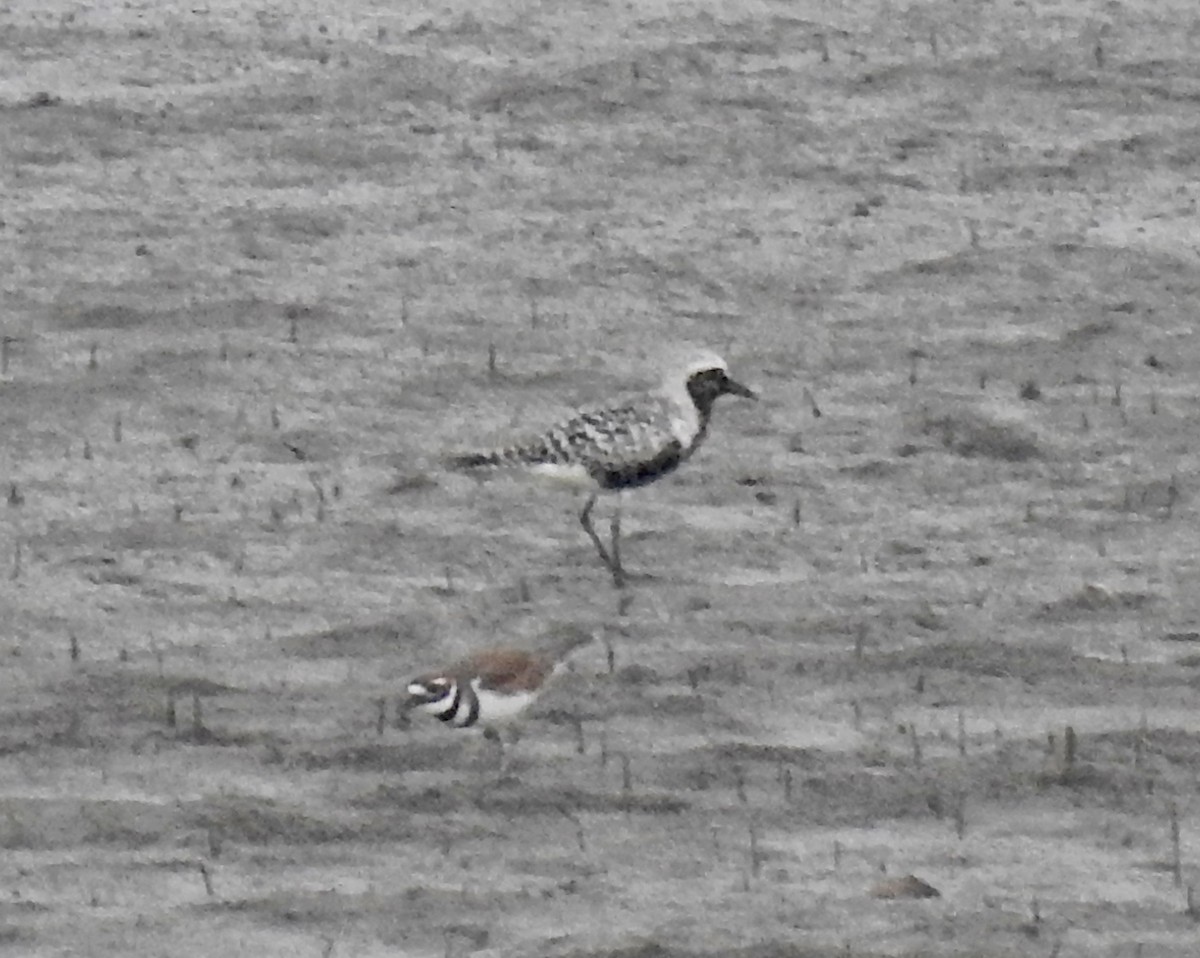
(1176, 859)
(574, 820)
(208, 883)
(199, 732)
(1070, 748)
(812, 403)
(739, 783)
(74, 647)
(755, 857)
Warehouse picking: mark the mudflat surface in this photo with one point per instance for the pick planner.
(255, 258)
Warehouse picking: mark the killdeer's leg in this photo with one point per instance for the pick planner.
(585, 518)
(492, 737)
(503, 752)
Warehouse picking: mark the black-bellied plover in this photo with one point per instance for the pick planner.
(625, 445)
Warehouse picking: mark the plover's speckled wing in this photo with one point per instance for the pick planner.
(618, 447)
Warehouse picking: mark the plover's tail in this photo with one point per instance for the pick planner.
(495, 459)
(475, 460)
(531, 454)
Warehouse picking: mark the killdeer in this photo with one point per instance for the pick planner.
(492, 687)
(624, 445)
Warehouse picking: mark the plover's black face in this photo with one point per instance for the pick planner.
(706, 385)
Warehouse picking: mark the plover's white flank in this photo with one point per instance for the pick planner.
(492, 687)
(623, 446)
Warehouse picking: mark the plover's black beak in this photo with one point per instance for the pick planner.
(734, 388)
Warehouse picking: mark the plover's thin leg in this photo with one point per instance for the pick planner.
(618, 573)
(585, 518)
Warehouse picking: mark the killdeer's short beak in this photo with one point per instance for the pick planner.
(734, 388)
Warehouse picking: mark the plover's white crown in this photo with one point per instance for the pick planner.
(697, 361)
(678, 367)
